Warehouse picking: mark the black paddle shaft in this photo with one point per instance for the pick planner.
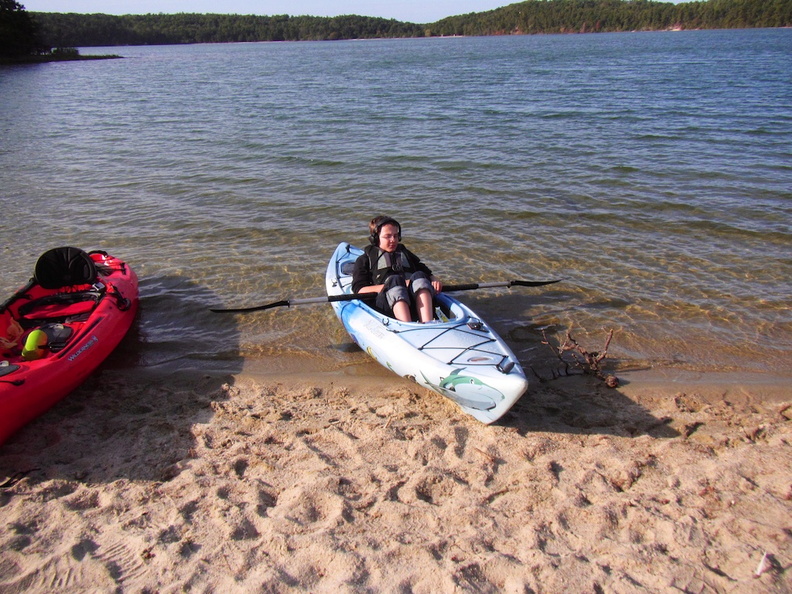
(363, 296)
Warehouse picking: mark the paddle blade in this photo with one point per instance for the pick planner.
(494, 285)
(522, 283)
(284, 303)
(290, 302)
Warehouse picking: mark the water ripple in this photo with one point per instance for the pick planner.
(650, 171)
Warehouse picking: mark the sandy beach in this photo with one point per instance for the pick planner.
(145, 481)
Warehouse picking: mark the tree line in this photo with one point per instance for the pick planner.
(19, 35)
(583, 16)
(164, 29)
(37, 32)
(531, 17)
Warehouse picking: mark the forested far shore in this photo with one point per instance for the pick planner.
(531, 17)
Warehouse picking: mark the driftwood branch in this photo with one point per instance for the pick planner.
(587, 362)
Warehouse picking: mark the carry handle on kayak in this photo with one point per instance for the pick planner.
(365, 296)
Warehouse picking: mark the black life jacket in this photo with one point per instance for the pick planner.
(383, 264)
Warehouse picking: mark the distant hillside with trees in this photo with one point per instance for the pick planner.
(588, 16)
(164, 29)
(532, 17)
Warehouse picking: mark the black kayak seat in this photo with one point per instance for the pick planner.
(65, 267)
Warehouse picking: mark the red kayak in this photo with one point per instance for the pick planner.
(59, 327)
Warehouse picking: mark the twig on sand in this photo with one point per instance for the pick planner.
(15, 478)
(765, 563)
(487, 455)
(587, 362)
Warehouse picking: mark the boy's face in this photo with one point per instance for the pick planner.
(389, 237)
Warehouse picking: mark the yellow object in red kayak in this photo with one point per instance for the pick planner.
(35, 345)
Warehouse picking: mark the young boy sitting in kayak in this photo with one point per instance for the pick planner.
(398, 276)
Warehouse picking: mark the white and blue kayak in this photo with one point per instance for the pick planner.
(457, 355)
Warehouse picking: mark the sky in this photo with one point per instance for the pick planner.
(413, 11)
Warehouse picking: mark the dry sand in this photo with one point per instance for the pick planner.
(146, 482)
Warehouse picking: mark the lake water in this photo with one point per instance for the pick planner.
(651, 171)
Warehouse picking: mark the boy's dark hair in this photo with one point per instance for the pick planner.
(378, 223)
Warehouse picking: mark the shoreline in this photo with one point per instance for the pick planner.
(49, 58)
(342, 481)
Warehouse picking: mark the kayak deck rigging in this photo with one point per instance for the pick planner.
(457, 330)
